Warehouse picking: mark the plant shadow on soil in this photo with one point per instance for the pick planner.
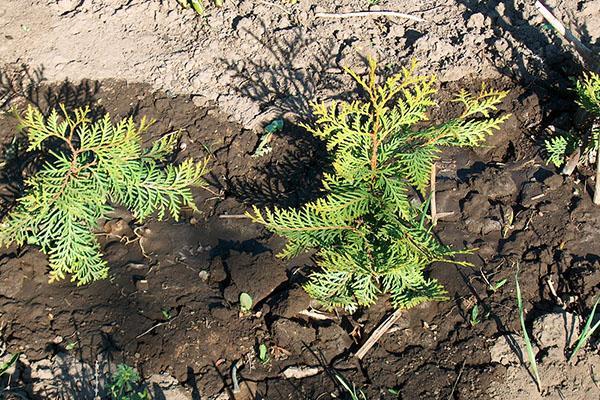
(176, 311)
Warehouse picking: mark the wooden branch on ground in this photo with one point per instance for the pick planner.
(596, 127)
(432, 203)
(583, 50)
(369, 14)
(378, 333)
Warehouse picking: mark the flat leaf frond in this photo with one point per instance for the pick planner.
(588, 93)
(163, 147)
(469, 133)
(395, 193)
(38, 129)
(482, 103)
(304, 228)
(558, 148)
(416, 165)
(345, 201)
(166, 190)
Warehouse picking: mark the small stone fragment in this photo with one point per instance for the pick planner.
(476, 21)
(203, 275)
(300, 372)
(142, 285)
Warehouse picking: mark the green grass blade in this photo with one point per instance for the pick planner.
(526, 339)
(587, 331)
(4, 367)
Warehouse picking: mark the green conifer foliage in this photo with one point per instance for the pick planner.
(560, 147)
(91, 166)
(372, 238)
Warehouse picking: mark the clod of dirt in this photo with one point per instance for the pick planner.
(498, 185)
(531, 193)
(334, 340)
(554, 333)
(217, 272)
(164, 386)
(296, 300)
(248, 391)
(507, 350)
(292, 336)
(258, 276)
(554, 182)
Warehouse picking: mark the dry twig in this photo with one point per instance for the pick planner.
(378, 333)
(432, 204)
(369, 14)
(582, 49)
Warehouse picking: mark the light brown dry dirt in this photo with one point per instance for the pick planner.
(255, 59)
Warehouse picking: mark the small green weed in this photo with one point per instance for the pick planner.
(263, 353)
(526, 339)
(245, 303)
(166, 313)
(70, 346)
(125, 385)
(9, 363)
(198, 5)
(474, 320)
(588, 331)
(496, 286)
(263, 147)
(352, 391)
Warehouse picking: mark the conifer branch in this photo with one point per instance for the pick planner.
(92, 164)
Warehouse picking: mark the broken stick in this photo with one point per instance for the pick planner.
(369, 14)
(378, 333)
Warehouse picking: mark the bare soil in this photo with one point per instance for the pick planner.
(170, 307)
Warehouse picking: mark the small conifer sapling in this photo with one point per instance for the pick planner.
(560, 147)
(371, 235)
(91, 166)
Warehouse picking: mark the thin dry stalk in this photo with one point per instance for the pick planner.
(432, 205)
(369, 14)
(597, 185)
(582, 49)
(378, 333)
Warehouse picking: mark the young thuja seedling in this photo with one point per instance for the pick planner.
(371, 234)
(124, 385)
(90, 167)
(568, 148)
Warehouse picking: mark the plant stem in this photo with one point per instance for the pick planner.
(369, 14)
(597, 188)
(432, 205)
(378, 333)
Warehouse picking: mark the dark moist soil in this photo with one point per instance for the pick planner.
(171, 302)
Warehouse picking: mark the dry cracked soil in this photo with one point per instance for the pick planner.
(171, 305)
